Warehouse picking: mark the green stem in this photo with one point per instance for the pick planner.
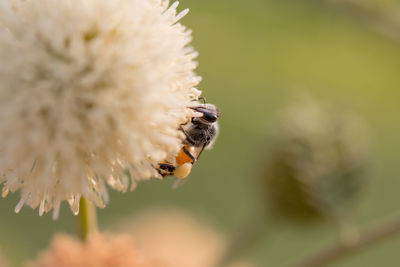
(87, 218)
(341, 249)
(348, 232)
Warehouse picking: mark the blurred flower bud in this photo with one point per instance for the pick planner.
(97, 251)
(178, 239)
(3, 262)
(317, 162)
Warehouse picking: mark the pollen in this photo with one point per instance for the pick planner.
(183, 171)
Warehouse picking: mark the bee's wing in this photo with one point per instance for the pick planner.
(178, 183)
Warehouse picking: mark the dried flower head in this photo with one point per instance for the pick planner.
(90, 92)
(177, 239)
(97, 251)
(317, 163)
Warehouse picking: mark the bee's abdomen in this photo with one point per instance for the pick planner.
(183, 157)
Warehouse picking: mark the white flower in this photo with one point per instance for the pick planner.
(88, 90)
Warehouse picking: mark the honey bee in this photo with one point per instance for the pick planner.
(201, 133)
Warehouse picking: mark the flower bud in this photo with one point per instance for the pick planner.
(317, 162)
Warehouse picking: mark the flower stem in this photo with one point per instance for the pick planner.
(342, 249)
(87, 219)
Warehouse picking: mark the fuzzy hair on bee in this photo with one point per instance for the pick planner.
(204, 130)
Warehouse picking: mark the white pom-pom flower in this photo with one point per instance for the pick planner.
(91, 93)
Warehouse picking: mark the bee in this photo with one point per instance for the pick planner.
(200, 133)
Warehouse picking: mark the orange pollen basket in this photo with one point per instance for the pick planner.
(183, 158)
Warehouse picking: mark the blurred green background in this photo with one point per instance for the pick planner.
(254, 56)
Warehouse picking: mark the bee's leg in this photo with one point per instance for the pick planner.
(188, 137)
(202, 98)
(166, 169)
(189, 154)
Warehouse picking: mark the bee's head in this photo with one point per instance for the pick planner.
(210, 113)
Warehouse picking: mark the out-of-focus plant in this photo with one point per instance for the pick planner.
(380, 15)
(338, 250)
(158, 238)
(3, 262)
(178, 239)
(316, 164)
(99, 250)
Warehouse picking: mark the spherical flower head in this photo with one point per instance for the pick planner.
(91, 93)
(175, 238)
(99, 250)
(317, 163)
